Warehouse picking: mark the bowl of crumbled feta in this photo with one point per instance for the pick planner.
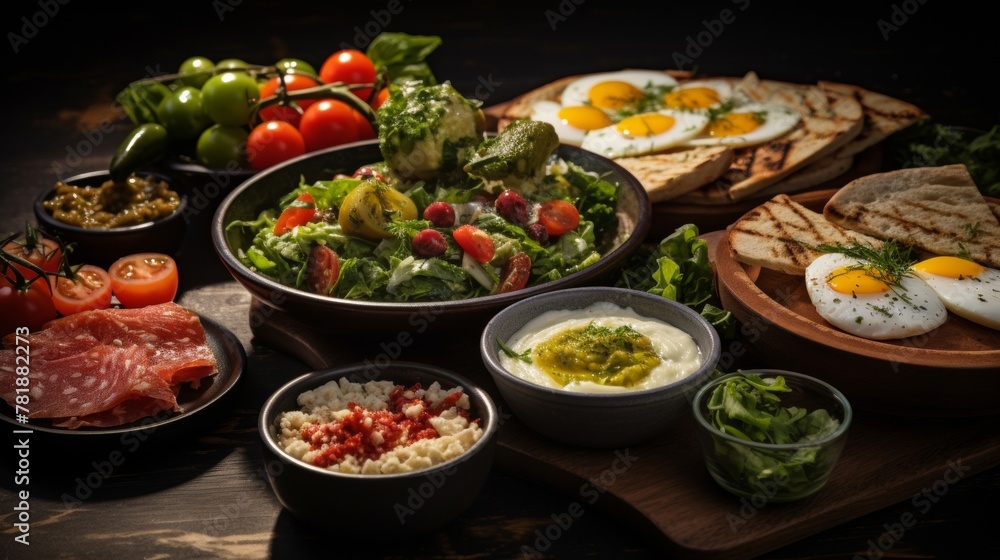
(362, 448)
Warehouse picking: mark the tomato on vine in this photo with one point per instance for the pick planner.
(289, 114)
(350, 66)
(273, 142)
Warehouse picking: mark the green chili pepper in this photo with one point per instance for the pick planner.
(144, 145)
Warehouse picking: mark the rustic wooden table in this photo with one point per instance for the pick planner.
(201, 493)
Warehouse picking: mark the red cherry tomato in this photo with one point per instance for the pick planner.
(515, 273)
(29, 308)
(322, 269)
(558, 216)
(273, 142)
(283, 112)
(350, 66)
(365, 130)
(89, 289)
(474, 241)
(144, 279)
(366, 172)
(429, 243)
(379, 98)
(299, 212)
(328, 123)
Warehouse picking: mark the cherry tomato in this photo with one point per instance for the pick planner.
(221, 146)
(286, 113)
(322, 269)
(36, 248)
(230, 97)
(379, 98)
(512, 206)
(368, 208)
(144, 279)
(328, 123)
(429, 243)
(90, 288)
(350, 66)
(368, 172)
(183, 114)
(299, 212)
(30, 307)
(440, 213)
(365, 129)
(558, 216)
(295, 66)
(515, 273)
(273, 142)
(195, 71)
(474, 241)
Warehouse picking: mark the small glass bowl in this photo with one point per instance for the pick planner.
(774, 472)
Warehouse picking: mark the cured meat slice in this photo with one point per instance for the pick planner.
(108, 367)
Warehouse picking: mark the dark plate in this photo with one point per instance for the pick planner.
(263, 190)
(196, 403)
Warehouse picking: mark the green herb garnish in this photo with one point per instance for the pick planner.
(523, 356)
(889, 263)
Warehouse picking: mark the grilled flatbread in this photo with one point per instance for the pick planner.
(884, 116)
(780, 233)
(937, 209)
(816, 173)
(666, 175)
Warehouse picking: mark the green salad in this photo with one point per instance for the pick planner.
(448, 214)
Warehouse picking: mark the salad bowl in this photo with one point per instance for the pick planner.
(339, 315)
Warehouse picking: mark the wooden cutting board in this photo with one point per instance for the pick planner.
(661, 487)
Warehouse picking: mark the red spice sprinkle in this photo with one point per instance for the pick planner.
(353, 434)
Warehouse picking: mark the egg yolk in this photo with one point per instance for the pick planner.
(950, 267)
(853, 280)
(735, 124)
(646, 124)
(614, 95)
(692, 98)
(584, 118)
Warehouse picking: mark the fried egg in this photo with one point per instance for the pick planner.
(571, 123)
(701, 95)
(645, 133)
(967, 289)
(747, 125)
(855, 298)
(616, 91)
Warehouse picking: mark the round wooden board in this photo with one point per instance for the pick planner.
(952, 371)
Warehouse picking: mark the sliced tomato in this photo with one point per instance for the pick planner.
(29, 307)
(474, 241)
(558, 216)
(144, 279)
(299, 212)
(90, 288)
(322, 269)
(515, 273)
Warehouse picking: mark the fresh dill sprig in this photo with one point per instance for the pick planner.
(523, 356)
(889, 263)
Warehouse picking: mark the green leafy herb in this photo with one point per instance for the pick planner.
(400, 57)
(523, 356)
(971, 230)
(889, 263)
(927, 143)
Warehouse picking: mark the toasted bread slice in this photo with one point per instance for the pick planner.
(884, 115)
(938, 209)
(780, 235)
(666, 175)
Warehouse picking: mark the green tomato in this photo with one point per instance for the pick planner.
(230, 97)
(221, 146)
(295, 66)
(195, 71)
(231, 64)
(183, 114)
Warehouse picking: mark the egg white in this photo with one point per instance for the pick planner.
(976, 298)
(548, 111)
(778, 121)
(609, 142)
(909, 309)
(577, 92)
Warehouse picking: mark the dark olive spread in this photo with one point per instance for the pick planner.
(128, 202)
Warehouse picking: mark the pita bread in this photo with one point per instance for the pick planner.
(937, 209)
(816, 173)
(666, 175)
(780, 233)
(884, 115)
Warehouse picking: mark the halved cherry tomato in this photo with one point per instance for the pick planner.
(474, 241)
(90, 288)
(558, 216)
(322, 269)
(299, 212)
(30, 307)
(515, 273)
(144, 279)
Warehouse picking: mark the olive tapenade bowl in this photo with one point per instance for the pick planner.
(101, 246)
(607, 419)
(387, 505)
(357, 316)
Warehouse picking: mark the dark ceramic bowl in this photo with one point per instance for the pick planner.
(262, 191)
(102, 246)
(388, 505)
(599, 420)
